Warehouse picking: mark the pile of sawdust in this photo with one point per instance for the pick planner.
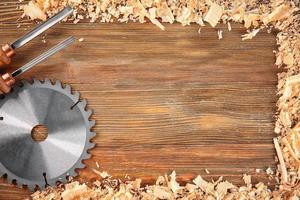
(166, 187)
(284, 16)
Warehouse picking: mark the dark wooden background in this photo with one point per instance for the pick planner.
(163, 100)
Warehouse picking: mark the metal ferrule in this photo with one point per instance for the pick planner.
(8, 79)
(8, 50)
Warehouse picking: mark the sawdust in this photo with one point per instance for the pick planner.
(166, 187)
(280, 15)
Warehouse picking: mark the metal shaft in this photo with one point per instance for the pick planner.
(43, 56)
(42, 27)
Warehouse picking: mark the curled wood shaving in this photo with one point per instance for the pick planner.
(281, 161)
(75, 190)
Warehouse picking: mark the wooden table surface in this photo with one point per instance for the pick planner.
(163, 100)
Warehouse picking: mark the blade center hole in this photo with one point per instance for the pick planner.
(39, 133)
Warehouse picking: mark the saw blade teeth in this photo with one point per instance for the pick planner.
(36, 81)
(89, 113)
(92, 124)
(1, 173)
(72, 173)
(25, 82)
(34, 186)
(31, 187)
(68, 88)
(76, 96)
(83, 103)
(88, 156)
(91, 145)
(80, 165)
(58, 84)
(92, 134)
(47, 81)
(9, 179)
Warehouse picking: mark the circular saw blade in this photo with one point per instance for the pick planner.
(69, 133)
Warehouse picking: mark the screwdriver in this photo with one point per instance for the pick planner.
(9, 49)
(9, 78)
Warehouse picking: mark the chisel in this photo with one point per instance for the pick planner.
(9, 49)
(9, 78)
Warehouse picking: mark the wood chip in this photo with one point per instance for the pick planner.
(103, 174)
(250, 35)
(220, 34)
(229, 26)
(214, 14)
(97, 165)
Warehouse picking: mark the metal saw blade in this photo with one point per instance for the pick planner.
(69, 133)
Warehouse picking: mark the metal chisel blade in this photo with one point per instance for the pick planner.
(43, 56)
(42, 27)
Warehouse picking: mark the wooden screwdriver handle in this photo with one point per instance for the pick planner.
(8, 79)
(6, 52)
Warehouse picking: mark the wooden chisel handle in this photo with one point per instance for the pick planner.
(6, 52)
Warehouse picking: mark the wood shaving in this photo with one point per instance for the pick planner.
(251, 19)
(97, 165)
(199, 30)
(165, 188)
(250, 35)
(103, 174)
(280, 15)
(247, 179)
(281, 161)
(80, 39)
(206, 170)
(229, 26)
(214, 14)
(220, 34)
(269, 171)
(34, 12)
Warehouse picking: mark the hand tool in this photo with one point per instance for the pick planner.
(9, 78)
(9, 49)
(54, 106)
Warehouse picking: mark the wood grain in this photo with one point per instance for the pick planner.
(163, 100)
